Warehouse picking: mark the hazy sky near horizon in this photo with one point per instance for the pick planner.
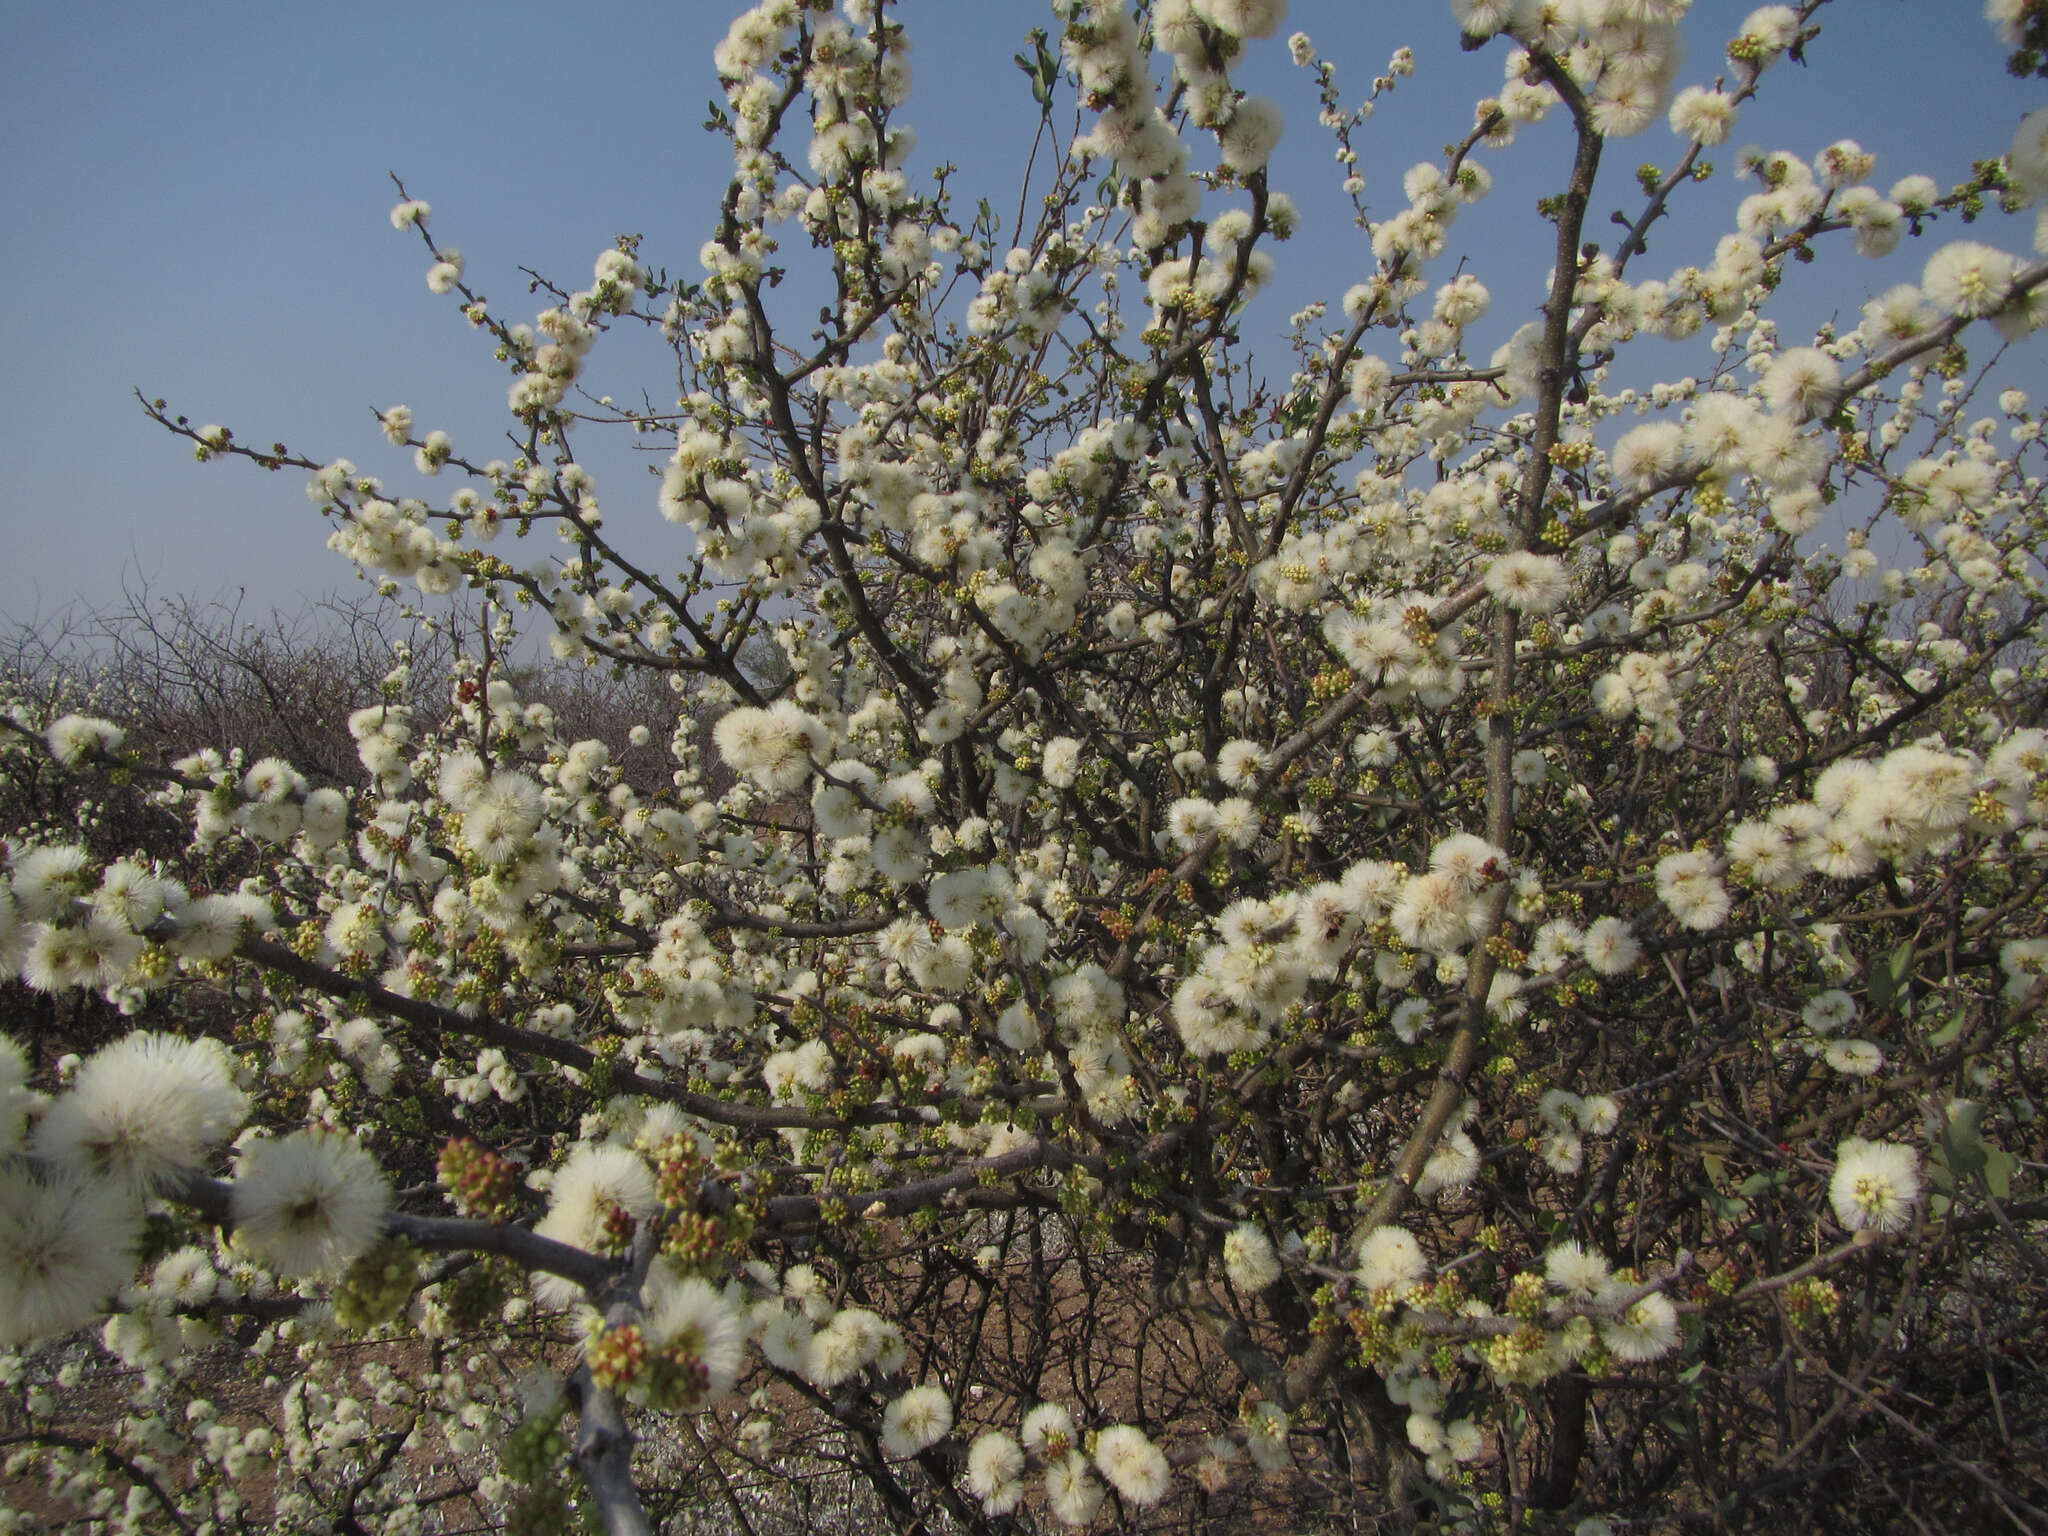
(199, 201)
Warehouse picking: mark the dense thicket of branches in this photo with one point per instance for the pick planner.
(1102, 932)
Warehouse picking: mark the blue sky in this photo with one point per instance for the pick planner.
(199, 198)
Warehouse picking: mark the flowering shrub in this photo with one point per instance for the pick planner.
(1432, 940)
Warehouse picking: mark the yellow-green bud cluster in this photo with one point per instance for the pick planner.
(378, 1286)
(533, 1449)
(678, 1170)
(617, 1357)
(693, 1242)
(477, 1295)
(615, 1232)
(479, 1182)
(1812, 1300)
(1508, 1354)
(675, 1378)
(1525, 1295)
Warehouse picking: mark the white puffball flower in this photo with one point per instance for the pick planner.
(1968, 279)
(1703, 115)
(1248, 1258)
(185, 1277)
(1647, 1330)
(1826, 1012)
(1071, 1493)
(308, 1204)
(1455, 1164)
(1854, 1058)
(1133, 1465)
(1800, 380)
(692, 1317)
(323, 819)
(916, 1421)
(1464, 1440)
(1648, 455)
(66, 1244)
(1248, 140)
(47, 880)
(1623, 105)
(1767, 32)
(1481, 18)
(2027, 160)
(1048, 1430)
(501, 815)
(1061, 763)
(1689, 885)
(73, 739)
(786, 1341)
(995, 1472)
(1240, 763)
(1390, 1257)
(1528, 582)
(1243, 18)
(774, 746)
(144, 1109)
(444, 274)
(1574, 1270)
(1874, 1185)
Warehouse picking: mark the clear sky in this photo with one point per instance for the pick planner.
(198, 201)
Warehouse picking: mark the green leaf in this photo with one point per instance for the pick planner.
(1891, 982)
(1962, 1142)
(1998, 1170)
(1948, 1031)
(1724, 1206)
(1031, 73)
(1042, 70)
(1886, 980)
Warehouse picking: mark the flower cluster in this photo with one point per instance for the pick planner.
(1408, 855)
